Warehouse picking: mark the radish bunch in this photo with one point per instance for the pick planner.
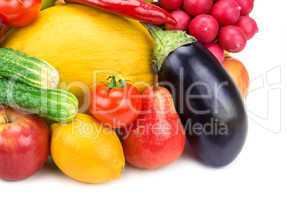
(218, 24)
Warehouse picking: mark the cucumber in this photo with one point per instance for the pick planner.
(54, 104)
(30, 70)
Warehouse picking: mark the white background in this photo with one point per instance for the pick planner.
(260, 172)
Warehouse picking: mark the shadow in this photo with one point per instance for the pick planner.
(188, 152)
(48, 170)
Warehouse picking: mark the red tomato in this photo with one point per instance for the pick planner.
(19, 13)
(115, 106)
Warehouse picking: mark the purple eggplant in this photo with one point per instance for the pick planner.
(207, 100)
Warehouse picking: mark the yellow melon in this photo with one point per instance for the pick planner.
(87, 45)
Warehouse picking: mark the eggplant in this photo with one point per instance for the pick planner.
(206, 98)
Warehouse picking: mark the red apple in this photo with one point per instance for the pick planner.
(24, 144)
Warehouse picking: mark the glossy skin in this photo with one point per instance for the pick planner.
(182, 20)
(157, 137)
(204, 28)
(246, 6)
(216, 50)
(238, 73)
(226, 12)
(19, 13)
(197, 7)
(232, 38)
(115, 107)
(215, 111)
(248, 25)
(86, 151)
(170, 4)
(24, 145)
(136, 9)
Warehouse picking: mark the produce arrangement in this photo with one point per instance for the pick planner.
(96, 84)
(218, 24)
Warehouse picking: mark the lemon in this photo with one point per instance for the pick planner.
(87, 45)
(86, 151)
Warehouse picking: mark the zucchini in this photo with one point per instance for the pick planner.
(54, 104)
(29, 70)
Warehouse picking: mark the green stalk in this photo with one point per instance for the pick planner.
(47, 4)
(166, 42)
(113, 82)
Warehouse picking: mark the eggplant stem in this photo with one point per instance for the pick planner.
(166, 42)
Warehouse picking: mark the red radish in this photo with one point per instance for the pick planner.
(232, 38)
(246, 6)
(170, 4)
(248, 25)
(216, 50)
(182, 20)
(227, 12)
(197, 7)
(204, 28)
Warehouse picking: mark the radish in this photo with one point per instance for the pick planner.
(246, 6)
(182, 20)
(197, 7)
(204, 28)
(232, 38)
(170, 4)
(227, 12)
(248, 25)
(216, 50)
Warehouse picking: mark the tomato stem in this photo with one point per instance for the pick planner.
(114, 83)
(122, 83)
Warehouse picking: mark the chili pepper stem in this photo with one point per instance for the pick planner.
(166, 42)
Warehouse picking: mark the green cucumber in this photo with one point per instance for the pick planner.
(54, 104)
(30, 70)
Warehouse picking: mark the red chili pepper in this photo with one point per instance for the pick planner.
(137, 9)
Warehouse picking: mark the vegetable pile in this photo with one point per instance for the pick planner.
(219, 24)
(122, 90)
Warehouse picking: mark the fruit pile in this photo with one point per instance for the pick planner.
(219, 24)
(120, 91)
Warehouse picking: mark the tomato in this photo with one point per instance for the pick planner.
(19, 13)
(115, 105)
